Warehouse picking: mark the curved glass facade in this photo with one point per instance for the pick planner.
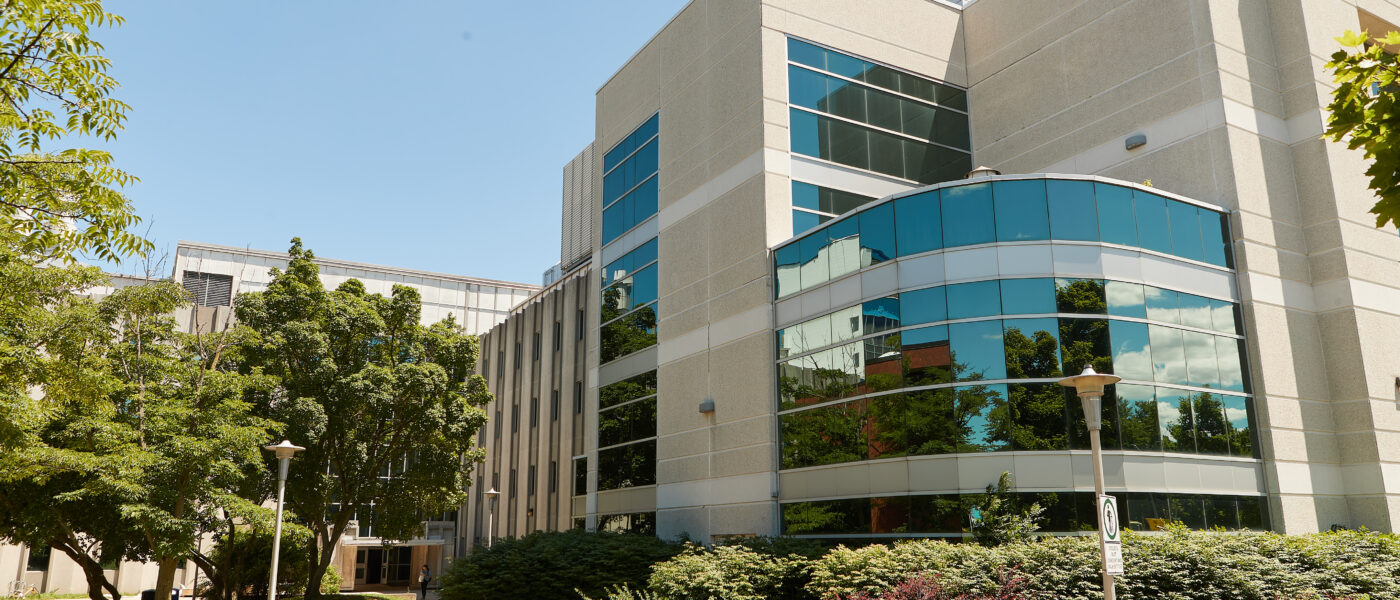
(1006, 210)
(972, 366)
(947, 514)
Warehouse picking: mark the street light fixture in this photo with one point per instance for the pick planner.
(284, 452)
(491, 495)
(1089, 385)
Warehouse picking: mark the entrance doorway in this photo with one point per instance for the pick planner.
(389, 566)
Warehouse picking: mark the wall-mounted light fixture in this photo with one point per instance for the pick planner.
(1136, 140)
(707, 406)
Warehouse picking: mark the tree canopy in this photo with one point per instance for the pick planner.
(386, 407)
(1363, 113)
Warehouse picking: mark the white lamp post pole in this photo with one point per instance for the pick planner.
(1089, 385)
(490, 514)
(284, 452)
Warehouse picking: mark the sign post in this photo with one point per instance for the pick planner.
(1110, 538)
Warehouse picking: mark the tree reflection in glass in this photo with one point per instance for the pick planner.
(1174, 414)
(824, 435)
(1137, 417)
(1212, 431)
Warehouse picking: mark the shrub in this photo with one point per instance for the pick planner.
(924, 587)
(729, 573)
(555, 565)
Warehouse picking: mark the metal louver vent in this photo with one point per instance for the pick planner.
(209, 289)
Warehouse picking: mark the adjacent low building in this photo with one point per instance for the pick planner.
(215, 275)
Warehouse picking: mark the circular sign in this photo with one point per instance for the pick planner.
(1109, 507)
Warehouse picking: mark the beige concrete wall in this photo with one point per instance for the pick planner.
(1230, 96)
(551, 439)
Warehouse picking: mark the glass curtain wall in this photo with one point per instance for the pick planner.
(629, 181)
(972, 367)
(947, 514)
(1001, 212)
(856, 113)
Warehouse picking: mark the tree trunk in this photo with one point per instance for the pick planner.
(165, 578)
(212, 575)
(92, 572)
(320, 551)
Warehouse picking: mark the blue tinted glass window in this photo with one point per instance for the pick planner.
(805, 195)
(1223, 316)
(877, 237)
(646, 160)
(1195, 311)
(1132, 350)
(988, 420)
(644, 253)
(615, 220)
(880, 314)
(977, 299)
(806, 138)
(967, 215)
(1168, 355)
(806, 88)
(1237, 412)
(644, 201)
(918, 223)
(788, 264)
(923, 306)
(1137, 417)
(1154, 230)
(1186, 230)
(1215, 247)
(843, 253)
(802, 221)
(1027, 296)
(1020, 210)
(1073, 215)
(807, 54)
(977, 349)
(1032, 348)
(846, 66)
(1231, 362)
(619, 152)
(1125, 299)
(648, 129)
(644, 286)
(1174, 417)
(814, 259)
(1116, 222)
(1162, 305)
(1201, 367)
(927, 359)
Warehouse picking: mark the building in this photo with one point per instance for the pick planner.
(801, 317)
(215, 275)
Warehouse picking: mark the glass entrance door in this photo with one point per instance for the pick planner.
(399, 567)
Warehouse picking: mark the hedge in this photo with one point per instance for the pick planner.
(551, 565)
(1177, 564)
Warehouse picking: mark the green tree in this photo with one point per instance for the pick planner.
(1003, 521)
(54, 83)
(141, 432)
(366, 389)
(1364, 114)
(193, 416)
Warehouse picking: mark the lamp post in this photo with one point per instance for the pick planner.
(284, 452)
(490, 514)
(1089, 385)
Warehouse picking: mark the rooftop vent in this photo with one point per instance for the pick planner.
(982, 172)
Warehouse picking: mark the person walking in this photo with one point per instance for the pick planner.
(424, 576)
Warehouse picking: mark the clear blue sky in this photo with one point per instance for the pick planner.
(425, 134)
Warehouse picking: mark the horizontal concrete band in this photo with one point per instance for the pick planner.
(1032, 471)
(1049, 259)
